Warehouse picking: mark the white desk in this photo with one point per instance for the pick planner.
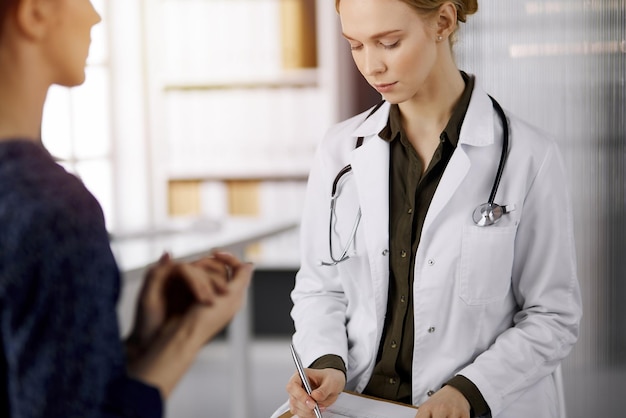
(135, 254)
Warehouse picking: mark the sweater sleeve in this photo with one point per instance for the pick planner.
(130, 398)
(61, 341)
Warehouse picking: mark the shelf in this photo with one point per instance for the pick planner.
(301, 78)
(238, 174)
(135, 253)
(237, 122)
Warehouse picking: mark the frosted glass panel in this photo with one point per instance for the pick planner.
(562, 66)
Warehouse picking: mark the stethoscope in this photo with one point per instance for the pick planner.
(485, 214)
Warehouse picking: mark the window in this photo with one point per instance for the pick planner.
(76, 122)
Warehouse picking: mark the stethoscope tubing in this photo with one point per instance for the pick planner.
(338, 177)
(486, 217)
(505, 150)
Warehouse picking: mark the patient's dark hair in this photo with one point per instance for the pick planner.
(5, 7)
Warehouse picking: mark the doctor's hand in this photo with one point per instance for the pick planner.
(447, 402)
(326, 384)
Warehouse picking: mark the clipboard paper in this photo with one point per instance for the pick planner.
(355, 405)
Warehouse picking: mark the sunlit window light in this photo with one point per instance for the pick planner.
(76, 121)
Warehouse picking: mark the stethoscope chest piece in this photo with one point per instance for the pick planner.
(490, 213)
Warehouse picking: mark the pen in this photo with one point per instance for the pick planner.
(305, 380)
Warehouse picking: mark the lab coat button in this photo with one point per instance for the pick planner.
(431, 262)
(385, 252)
(430, 393)
(431, 330)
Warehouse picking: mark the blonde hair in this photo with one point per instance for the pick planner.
(464, 8)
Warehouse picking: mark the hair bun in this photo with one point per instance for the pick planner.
(466, 8)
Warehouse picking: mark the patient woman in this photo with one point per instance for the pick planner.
(60, 352)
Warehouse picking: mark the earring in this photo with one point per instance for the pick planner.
(439, 38)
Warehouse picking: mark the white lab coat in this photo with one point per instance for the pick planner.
(499, 304)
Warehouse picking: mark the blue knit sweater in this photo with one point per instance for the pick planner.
(60, 349)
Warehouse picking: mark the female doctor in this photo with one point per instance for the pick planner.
(444, 275)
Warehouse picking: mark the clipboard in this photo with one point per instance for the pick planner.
(357, 405)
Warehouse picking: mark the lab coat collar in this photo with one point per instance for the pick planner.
(371, 165)
(477, 128)
(373, 124)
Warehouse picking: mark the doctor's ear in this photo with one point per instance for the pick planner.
(33, 17)
(446, 20)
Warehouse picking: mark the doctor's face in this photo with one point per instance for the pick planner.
(393, 46)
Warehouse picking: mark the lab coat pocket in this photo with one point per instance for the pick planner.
(486, 263)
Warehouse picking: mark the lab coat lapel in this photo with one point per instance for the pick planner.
(453, 176)
(477, 130)
(370, 165)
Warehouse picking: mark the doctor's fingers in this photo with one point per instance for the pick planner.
(302, 410)
(298, 398)
(433, 414)
(447, 402)
(328, 384)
